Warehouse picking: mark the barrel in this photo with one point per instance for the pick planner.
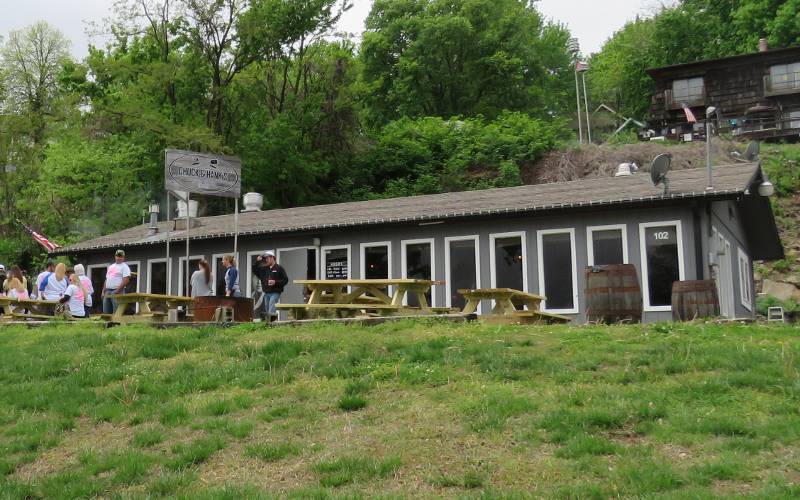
(204, 308)
(613, 294)
(694, 299)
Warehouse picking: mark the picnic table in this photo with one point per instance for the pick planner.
(152, 307)
(505, 309)
(367, 296)
(36, 309)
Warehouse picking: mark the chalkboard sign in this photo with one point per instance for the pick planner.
(336, 269)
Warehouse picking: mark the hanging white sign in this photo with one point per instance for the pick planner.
(203, 173)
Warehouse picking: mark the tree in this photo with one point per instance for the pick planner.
(460, 58)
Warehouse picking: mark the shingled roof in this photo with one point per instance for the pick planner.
(729, 181)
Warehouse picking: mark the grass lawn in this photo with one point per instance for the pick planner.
(410, 409)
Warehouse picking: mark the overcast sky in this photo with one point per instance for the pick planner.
(591, 21)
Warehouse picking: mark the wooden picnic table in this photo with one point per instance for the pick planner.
(151, 307)
(346, 297)
(36, 309)
(505, 310)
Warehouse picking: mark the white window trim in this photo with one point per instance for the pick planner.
(492, 264)
(321, 257)
(249, 273)
(590, 242)
(181, 260)
(744, 279)
(475, 239)
(404, 265)
(150, 274)
(363, 251)
(214, 258)
(540, 257)
(643, 255)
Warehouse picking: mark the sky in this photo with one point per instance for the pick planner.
(591, 21)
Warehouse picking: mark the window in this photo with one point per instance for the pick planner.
(785, 77)
(336, 263)
(97, 274)
(745, 283)
(157, 276)
(461, 265)
(418, 264)
(508, 261)
(607, 245)
(375, 261)
(558, 279)
(688, 89)
(662, 260)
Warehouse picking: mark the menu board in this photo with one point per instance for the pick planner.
(336, 264)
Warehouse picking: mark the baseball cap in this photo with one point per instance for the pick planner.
(268, 253)
(2, 267)
(119, 253)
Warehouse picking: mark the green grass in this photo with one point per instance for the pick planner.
(408, 409)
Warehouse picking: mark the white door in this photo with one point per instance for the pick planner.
(724, 275)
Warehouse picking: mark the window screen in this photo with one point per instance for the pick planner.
(462, 270)
(661, 246)
(418, 266)
(557, 270)
(607, 247)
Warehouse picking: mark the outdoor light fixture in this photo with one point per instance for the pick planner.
(766, 188)
(316, 242)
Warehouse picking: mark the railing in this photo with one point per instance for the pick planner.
(671, 102)
(768, 125)
(785, 84)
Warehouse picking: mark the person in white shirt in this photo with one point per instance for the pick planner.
(49, 268)
(201, 280)
(87, 285)
(54, 284)
(75, 297)
(118, 275)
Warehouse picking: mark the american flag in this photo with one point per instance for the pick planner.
(40, 239)
(688, 112)
(581, 66)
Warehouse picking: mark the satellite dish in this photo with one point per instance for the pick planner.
(659, 169)
(752, 151)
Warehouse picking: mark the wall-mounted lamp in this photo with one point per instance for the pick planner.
(766, 188)
(316, 242)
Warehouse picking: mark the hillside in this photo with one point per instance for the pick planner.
(411, 409)
(782, 163)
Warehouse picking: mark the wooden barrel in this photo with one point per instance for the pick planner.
(613, 294)
(694, 299)
(204, 308)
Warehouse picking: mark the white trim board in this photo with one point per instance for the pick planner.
(745, 282)
(150, 263)
(492, 257)
(590, 242)
(540, 258)
(181, 260)
(643, 255)
(448, 282)
(404, 264)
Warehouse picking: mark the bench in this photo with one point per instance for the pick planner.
(302, 311)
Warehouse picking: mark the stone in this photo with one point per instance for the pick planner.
(779, 290)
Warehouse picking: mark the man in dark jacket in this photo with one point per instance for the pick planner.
(273, 278)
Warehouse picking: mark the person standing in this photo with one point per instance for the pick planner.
(54, 284)
(273, 279)
(87, 285)
(231, 277)
(201, 280)
(118, 275)
(49, 268)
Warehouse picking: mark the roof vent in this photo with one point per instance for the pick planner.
(626, 169)
(763, 46)
(253, 202)
(154, 210)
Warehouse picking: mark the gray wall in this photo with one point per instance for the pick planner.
(480, 227)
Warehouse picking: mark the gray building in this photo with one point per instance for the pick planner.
(538, 238)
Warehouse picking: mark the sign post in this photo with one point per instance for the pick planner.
(205, 174)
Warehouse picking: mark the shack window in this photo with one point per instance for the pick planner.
(785, 76)
(745, 285)
(158, 278)
(688, 89)
(418, 265)
(337, 263)
(462, 272)
(557, 270)
(607, 245)
(663, 258)
(509, 263)
(376, 262)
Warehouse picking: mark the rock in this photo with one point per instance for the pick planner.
(781, 291)
(794, 279)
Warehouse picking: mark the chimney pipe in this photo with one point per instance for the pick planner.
(763, 46)
(154, 210)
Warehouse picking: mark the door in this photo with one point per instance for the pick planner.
(724, 275)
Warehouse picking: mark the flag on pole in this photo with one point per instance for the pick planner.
(40, 239)
(689, 115)
(581, 66)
